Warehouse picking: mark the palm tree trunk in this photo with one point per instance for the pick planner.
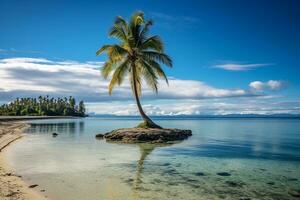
(148, 122)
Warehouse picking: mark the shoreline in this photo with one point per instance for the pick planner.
(12, 187)
(24, 118)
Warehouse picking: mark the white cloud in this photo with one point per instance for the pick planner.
(197, 107)
(21, 77)
(270, 85)
(240, 67)
(34, 76)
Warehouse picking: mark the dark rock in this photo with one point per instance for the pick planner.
(152, 135)
(270, 183)
(42, 190)
(33, 186)
(130, 180)
(295, 193)
(178, 165)
(166, 164)
(223, 174)
(54, 134)
(191, 180)
(292, 179)
(11, 194)
(156, 180)
(234, 184)
(170, 171)
(195, 186)
(199, 174)
(99, 136)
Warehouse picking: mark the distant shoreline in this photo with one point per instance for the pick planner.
(192, 117)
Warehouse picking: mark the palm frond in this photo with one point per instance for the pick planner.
(135, 24)
(107, 68)
(118, 32)
(157, 68)
(149, 75)
(144, 32)
(118, 75)
(103, 49)
(120, 29)
(153, 43)
(157, 56)
(115, 52)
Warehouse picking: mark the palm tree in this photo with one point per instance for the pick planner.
(138, 56)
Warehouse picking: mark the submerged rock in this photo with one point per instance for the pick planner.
(292, 179)
(223, 174)
(33, 186)
(99, 136)
(152, 135)
(234, 184)
(199, 174)
(54, 134)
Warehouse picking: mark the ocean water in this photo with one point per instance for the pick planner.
(224, 159)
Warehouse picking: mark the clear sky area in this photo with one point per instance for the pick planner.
(230, 57)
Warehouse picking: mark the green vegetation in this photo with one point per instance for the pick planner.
(43, 106)
(137, 56)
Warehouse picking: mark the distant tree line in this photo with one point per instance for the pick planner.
(43, 106)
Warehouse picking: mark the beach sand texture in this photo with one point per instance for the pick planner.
(12, 187)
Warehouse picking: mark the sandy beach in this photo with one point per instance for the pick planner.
(11, 184)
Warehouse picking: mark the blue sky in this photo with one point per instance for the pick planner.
(238, 53)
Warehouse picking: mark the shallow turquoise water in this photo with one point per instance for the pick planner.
(224, 159)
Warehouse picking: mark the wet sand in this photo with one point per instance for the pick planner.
(12, 187)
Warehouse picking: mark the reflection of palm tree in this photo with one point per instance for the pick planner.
(145, 150)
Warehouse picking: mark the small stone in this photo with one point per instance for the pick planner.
(166, 164)
(11, 194)
(42, 190)
(33, 186)
(270, 183)
(156, 180)
(170, 171)
(191, 180)
(233, 184)
(54, 134)
(199, 174)
(223, 174)
(99, 136)
(130, 180)
(292, 179)
(195, 186)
